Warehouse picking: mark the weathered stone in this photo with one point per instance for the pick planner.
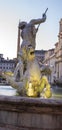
(23, 113)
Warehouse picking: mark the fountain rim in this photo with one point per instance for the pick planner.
(32, 101)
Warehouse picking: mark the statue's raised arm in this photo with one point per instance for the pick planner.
(28, 31)
(40, 20)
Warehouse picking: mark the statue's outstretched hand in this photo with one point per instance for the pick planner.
(44, 16)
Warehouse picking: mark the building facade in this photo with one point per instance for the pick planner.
(53, 57)
(58, 53)
(6, 64)
(50, 62)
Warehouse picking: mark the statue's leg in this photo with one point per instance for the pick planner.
(18, 73)
(21, 69)
(16, 70)
(48, 92)
(45, 89)
(42, 85)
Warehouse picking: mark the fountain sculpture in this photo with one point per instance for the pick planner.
(27, 77)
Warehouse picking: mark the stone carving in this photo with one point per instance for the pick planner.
(28, 34)
(29, 31)
(27, 75)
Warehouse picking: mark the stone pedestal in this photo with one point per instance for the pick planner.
(23, 113)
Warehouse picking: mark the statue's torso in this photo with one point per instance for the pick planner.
(28, 35)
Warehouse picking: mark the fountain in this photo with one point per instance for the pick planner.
(24, 111)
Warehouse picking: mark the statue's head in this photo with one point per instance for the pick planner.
(30, 53)
(22, 24)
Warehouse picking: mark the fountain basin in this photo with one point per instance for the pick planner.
(7, 90)
(23, 113)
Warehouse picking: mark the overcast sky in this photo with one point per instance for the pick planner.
(25, 10)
